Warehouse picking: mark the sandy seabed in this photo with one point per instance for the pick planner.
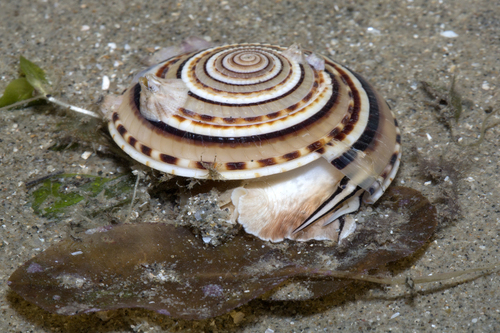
(394, 44)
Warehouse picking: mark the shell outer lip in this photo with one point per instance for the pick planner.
(204, 174)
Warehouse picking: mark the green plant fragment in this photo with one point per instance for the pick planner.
(35, 76)
(30, 89)
(55, 201)
(17, 90)
(55, 196)
(455, 100)
(484, 127)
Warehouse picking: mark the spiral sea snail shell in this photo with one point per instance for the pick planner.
(308, 137)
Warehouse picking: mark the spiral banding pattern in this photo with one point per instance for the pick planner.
(244, 67)
(251, 110)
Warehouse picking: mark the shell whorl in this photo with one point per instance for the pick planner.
(252, 110)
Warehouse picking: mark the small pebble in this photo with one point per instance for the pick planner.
(485, 86)
(237, 316)
(85, 28)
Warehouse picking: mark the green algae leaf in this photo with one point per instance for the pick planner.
(35, 76)
(31, 87)
(49, 201)
(167, 269)
(17, 90)
(56, 195)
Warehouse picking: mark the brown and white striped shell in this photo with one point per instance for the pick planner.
(309, 136)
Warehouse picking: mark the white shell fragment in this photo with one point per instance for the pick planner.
(449, 34)
(308, 137)
(85, 155)
(373, 31)
(105, 82)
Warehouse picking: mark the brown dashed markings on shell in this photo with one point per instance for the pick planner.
(261, 110)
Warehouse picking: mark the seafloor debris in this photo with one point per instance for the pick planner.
(448, 106)
(167, 269)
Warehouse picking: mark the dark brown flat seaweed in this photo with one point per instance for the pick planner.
(166, 269)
